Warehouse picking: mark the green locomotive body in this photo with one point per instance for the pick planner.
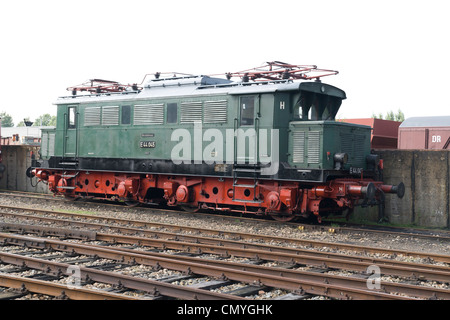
(208, 142)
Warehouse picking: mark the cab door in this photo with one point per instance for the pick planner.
(71, 132)
(246, 134)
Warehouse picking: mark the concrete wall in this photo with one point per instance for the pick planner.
(17, 158)
(425, 174)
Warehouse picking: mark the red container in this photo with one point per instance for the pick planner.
(425, 133)
(384, 132)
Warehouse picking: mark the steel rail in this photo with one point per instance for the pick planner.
(278, 281)
(152, 286)
(385, 286)
(59, 290)
(361, 283)
(328, 260)
(237, 235)
(163, 240)
(440, 235)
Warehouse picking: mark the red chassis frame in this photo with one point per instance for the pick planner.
(283, 200)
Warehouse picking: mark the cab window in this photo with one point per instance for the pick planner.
(172, 113)
(72, 117)
(247, 111)
(126, 114)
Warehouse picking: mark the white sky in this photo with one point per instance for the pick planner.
(390, 54)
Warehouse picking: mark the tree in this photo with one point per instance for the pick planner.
(22, 123)
(7, 120)
(399, 116)
(45, 120)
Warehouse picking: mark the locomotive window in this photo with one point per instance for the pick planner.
(72, 119)
(172, 113)
(247, 111)
(126, 114)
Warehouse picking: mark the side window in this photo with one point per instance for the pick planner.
(72, 117)
(247, 111)
(172, 113)
(126, 114)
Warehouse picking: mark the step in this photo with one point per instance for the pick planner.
(66, 187)
(68, 164)
(245, 185)
(69, 176)
(248, 201)
(253, 170)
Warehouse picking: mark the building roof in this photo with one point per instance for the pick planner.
(33, 131)
(440, 121)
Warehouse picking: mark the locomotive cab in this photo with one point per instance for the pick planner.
(317, 141)
(318, 101)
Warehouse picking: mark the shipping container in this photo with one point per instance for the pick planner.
(384, 132)
(425, 133)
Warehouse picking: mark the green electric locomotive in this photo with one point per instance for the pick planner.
(267, 144)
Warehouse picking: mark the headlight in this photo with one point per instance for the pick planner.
(339, 160)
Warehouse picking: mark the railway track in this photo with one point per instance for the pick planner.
(178, 232)
(297, 281)
(200, 252)
(327, 226)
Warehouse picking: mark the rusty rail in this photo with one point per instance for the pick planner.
(337, 289)
(236, 235)
(59, 290)
(164, 240)
(152, 286)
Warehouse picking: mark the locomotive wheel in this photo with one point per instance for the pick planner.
(282, 217)
(132, 204)
(71, 197)
(189, 209)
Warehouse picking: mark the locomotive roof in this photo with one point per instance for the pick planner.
(200, 86)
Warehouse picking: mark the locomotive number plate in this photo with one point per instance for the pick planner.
(356, 170)
(147, 144)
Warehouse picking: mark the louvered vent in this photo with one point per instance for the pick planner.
(110, 116)
(148, 114)
(314, 147)
(354, 146)
(359, 154)
(44, 145)
(191, 112)
(92, 116)
(215, 111)
(347, 143)
(51, 144)
(298, 146)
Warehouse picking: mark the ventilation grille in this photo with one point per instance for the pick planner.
(110, 116)
(51, 143)
(314, 147)
(148, 114)
(92, 116)
(347, 143)
(298, 140)
(359, 150)
(48, 144)
(215, 111)
(191, 112)
(354, 145)
(44, 144)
